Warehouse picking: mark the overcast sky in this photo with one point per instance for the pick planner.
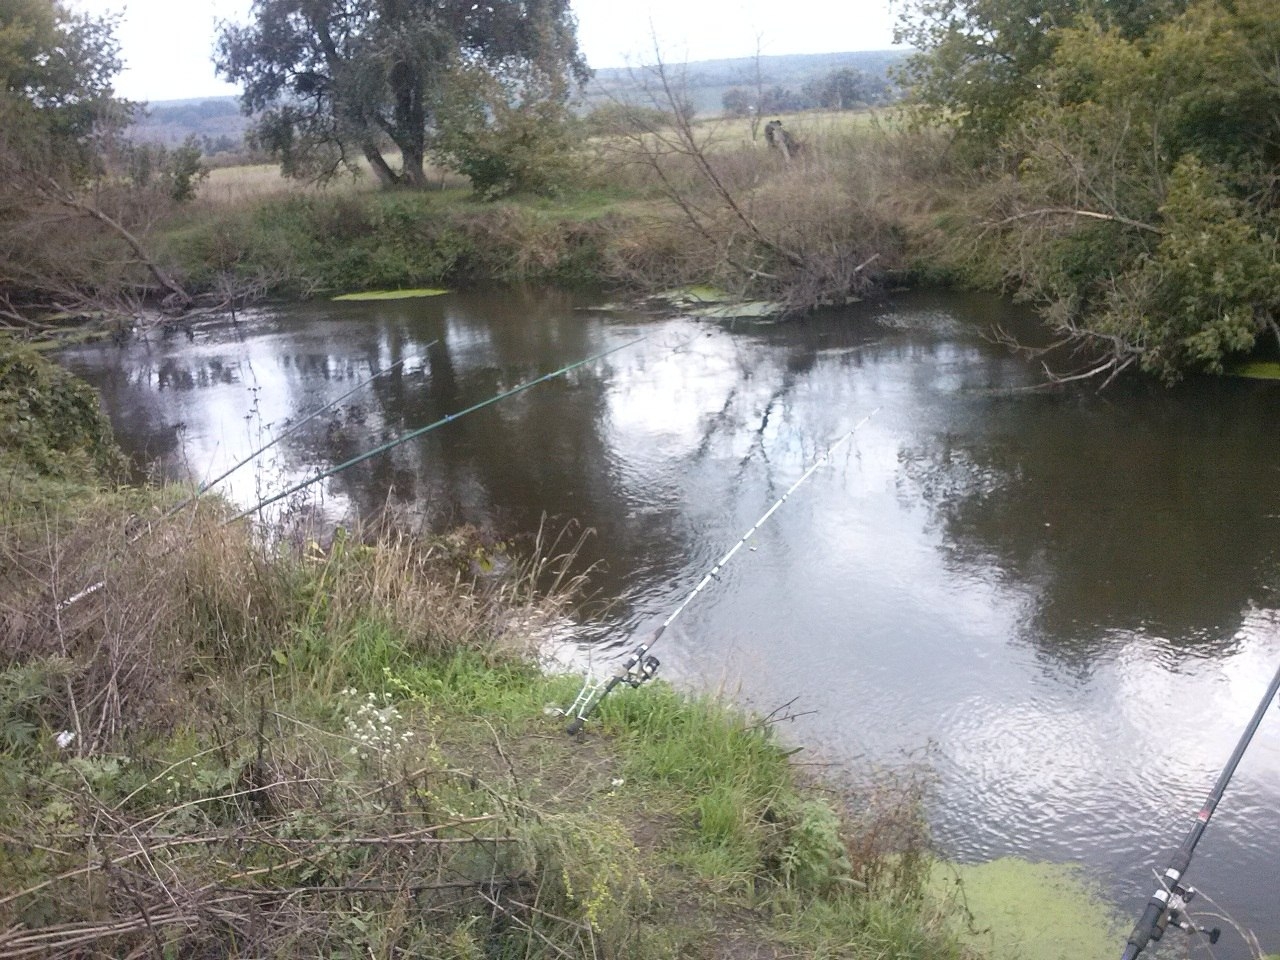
(167, 44)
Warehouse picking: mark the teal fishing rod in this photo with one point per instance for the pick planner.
(1169, 902)
(642, 665)
(414, 434)
(292, 429)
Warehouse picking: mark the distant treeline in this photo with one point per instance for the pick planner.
(217, 124)
(736, 87)
(776, 83)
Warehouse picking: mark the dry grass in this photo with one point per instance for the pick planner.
(120, 612)
(816, 228)
(247, 183)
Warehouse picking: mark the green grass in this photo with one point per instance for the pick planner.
(299, 712)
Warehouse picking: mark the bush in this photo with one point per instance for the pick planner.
(51, 421)
(506, 137)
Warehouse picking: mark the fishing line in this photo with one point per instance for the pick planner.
(293, 428)
(1168, 904)
(205, 487)
(413, 434)
(642, 665)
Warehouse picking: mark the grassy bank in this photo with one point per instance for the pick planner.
(640, 214)
(229, 748)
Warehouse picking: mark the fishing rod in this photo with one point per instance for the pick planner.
(293, 428)
(413, 434)
(1169, 902)
(642, 665)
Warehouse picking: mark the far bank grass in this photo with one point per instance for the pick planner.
(325, 244)
(850, 202)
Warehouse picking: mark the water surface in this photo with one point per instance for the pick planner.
(1064, 602)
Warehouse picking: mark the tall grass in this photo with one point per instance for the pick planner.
(320, 750)
(826, 225)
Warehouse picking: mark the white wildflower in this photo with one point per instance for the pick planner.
(65, 739)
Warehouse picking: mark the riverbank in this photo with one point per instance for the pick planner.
(818, 231)
(345, 749)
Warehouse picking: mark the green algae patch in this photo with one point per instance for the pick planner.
(392, 294)
(1256, 370)
(1021, 910)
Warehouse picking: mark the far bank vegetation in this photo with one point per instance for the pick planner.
(1115, 167)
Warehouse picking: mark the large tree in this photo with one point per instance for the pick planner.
(60, 249)
(336, 80)
(978, 61)
(1135, 188)
(56, 98)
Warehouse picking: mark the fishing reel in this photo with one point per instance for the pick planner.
(638, 668)
(1175, 914)
(635, 670)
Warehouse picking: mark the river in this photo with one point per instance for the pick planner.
(1064, 603)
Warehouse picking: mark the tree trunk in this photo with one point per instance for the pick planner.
(381, 169)
(415, 160)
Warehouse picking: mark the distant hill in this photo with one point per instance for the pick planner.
(216, 122)
(219, 126)
(707, 81)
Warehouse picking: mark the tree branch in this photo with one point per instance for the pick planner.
(1074, 212)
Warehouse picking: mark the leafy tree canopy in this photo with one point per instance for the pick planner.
(335, 80)
(56, 71)
(978, 60)
(1140, 201)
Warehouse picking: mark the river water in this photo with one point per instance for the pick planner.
(1063, 603)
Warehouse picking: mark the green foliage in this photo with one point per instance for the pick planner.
(51, 421)
(1212, 279)
(331, 80)
(1141, 210)
(980, 61)
(22, 689)
(814, 858)
(507, 133)
(56, 69)
(338, 243)
(179, 172)
(977, 60)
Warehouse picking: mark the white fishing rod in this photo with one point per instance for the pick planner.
(642, 665)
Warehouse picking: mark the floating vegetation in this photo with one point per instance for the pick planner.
(392, 294)
(1032, 911)
(742, 309)
(1256, 370)
(704, 302)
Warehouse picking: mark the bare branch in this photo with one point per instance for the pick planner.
(1074, 212)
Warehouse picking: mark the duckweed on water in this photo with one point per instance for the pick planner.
(393, 294)
(1033, 911)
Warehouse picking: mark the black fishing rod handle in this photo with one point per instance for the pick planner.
(1146, 926)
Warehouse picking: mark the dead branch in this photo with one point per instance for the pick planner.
(1072, 212)
(50, 189)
